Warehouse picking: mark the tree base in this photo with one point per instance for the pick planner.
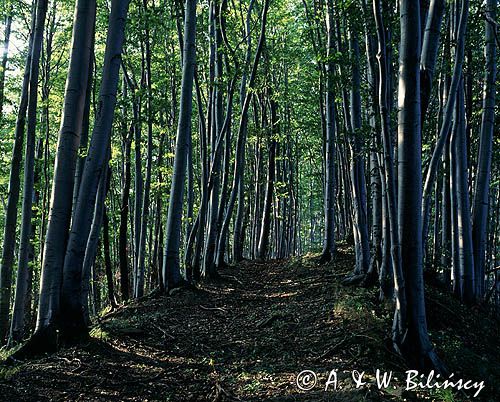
(326, 257)
(43, 341)
(353, 280)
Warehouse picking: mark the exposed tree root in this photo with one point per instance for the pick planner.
(42, 341)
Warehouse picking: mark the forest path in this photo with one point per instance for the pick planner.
(245, 339)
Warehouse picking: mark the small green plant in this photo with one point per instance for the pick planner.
(99, 333)
(444, 395)
(6, 373)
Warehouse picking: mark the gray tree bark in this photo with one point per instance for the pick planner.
(9, 233)
(465, 254)
(29, 157)
(430, 47)
(64, 169)
(447, 120)
(481, 193)
(239, 165)
(328, 252)
(139, 281)
(72, 321)
(265, 226)
(357, 173)
(5, 58)
(240, 211)
(171, 265)
(412, 339)
(389, 180)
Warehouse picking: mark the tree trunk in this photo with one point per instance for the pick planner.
(481, 194)
(263, 246)
(64, 170)
(93, 241)
(447, 120)
(328, 252)
(238, 222)
(107, 260)
(412, 339)
(124, 211)
(389, 180)
(29, 158)
(171, 264)
(139, 281)
(5, 57)
(239, 164)
(466, 258)
(358, 179)
(430, 47)
(9, 234)
(73, 326)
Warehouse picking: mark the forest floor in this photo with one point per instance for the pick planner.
(247, 338)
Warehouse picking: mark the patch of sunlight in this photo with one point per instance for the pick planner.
(100, 333)
(6, 352)
(6, 373)
(443, 395)
(281, 295)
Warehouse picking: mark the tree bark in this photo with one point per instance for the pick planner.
(430, 47)
(73, 326)
(29, 158)
(328, 252)
(466, 258)
(139, 282)
(447, 120)
(412, 340)
(171, 265)
(265, 227)
(481, 193)
(64, 169)
(5, 58)
(9, 233)
(239, 164)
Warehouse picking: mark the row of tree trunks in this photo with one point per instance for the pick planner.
(9, 235)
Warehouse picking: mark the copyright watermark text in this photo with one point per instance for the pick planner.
(307, 380)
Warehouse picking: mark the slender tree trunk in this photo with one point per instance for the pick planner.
(9, 234)
(107, 260)
(124, 211)
(328, 252)
(358, 180)
(481, 194)
(93, 242)
(239, 164)
(263, 246)
(5, 57)
(171, 265)
(84, 137)
(238, 222)
(413, 339)
(447, 120)
(72, 323)
(430, 47)
(138, 185)
(455, 248)
(67, 150)
(466, 258)
(29, 158)
(389, 180)
(139, 282)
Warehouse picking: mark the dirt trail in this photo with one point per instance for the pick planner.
(243, 339)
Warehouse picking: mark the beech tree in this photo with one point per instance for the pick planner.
(171, 263)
